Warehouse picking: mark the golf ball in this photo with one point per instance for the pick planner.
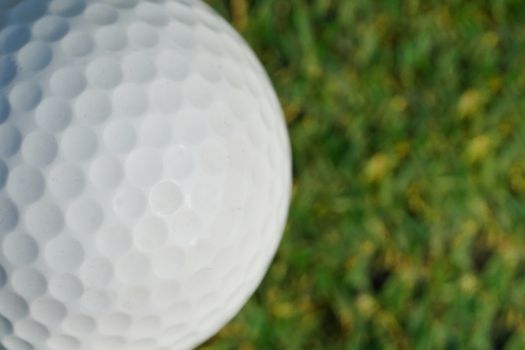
(144, 174)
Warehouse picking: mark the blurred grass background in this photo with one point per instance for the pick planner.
(406, 229)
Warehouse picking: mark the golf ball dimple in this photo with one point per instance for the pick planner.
(144, 174)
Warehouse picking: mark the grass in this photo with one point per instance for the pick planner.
(406, 229)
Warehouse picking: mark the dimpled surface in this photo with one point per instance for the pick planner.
(144, 174)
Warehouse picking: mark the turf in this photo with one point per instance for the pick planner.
(406, 229)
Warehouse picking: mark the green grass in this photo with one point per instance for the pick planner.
(407, 226)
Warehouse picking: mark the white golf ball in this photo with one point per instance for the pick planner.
(144, 174)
